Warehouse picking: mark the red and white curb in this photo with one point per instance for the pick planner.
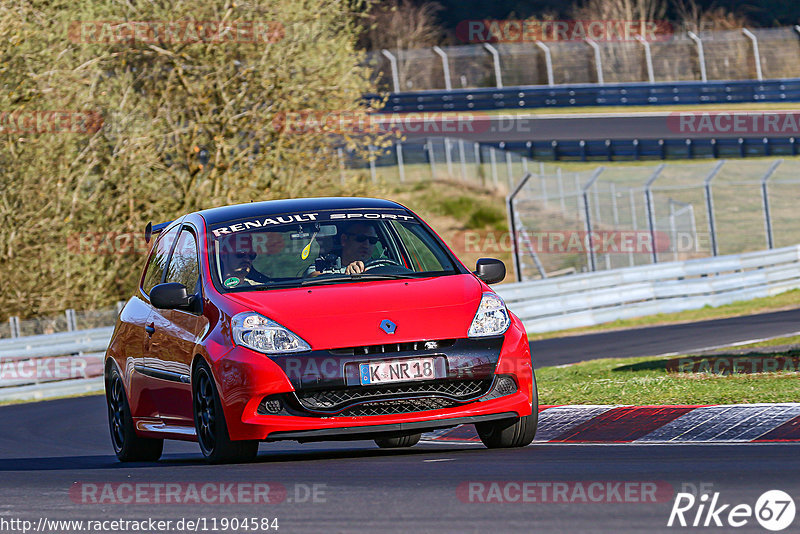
(740, 423)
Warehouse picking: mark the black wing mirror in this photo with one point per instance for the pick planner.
(171, 296)
(490, 270)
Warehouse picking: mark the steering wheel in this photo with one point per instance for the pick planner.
(379, 262)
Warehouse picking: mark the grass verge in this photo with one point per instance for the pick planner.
(659, 380)
(58, 397)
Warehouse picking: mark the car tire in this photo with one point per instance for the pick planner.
(128, 446)
(209, 421)
(508, 433)
(408, 440)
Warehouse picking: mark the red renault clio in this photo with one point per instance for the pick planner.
(313, 319)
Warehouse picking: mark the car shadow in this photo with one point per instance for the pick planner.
(101, 462)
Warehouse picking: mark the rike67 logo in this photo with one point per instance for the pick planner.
(774, 510)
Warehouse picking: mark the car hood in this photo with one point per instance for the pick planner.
(349, 315)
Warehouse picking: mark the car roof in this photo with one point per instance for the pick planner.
(276, 207)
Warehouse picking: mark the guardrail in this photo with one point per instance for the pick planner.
(626, 149)
(44, 366)
(30, 366)
(600, 297)
(619, 94)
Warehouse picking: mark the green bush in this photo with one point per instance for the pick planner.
(185, 126)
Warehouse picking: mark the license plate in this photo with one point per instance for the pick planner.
(397, 371)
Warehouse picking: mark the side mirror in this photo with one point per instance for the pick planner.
(490, 270)
(170, 296)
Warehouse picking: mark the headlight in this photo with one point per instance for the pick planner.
(255, 331)
(492, 317)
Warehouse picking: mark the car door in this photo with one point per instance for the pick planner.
(141, 383)
(176, 334)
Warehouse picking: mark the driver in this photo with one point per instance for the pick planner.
(237, 254)
(358, 241)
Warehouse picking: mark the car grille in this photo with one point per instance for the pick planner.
(398, 406)
(412, 346)
(427, 396)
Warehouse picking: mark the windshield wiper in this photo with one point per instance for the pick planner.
(354, 277)
(275, 285)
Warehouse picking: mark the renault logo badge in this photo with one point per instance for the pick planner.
(388, 326)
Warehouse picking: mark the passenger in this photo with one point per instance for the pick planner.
(237, 255)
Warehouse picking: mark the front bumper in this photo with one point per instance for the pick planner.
(245, 378)
(382, 430)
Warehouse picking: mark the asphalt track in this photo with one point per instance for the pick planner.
(664, 340)
(49, 446)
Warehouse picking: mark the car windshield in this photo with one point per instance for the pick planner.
(304, 249)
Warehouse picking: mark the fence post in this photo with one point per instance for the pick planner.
(340, 152)
(765, 200)
(512, 226)
(13, 323)
(510, 170)
(561, 198)
(498, 77)
(648, 58)
(544, 189)
(634, 224)
(712, 227)
(548, 62)
(372, 172)
(448, 155)
(493, 160)
(476, 150)
(650, 208)
(463, 160)
(395, 72)
(431, 158)
(445, 67)
(701, 56)
(598, 61)
(587, 210)
(71, 320)
(400, 163)
(614, 213)
(754, 40)
(694, 224)
(673, 230)
(614, 208)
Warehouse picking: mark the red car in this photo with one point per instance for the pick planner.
(313, 319)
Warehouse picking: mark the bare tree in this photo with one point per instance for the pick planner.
(694, 18)
(400, 24)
